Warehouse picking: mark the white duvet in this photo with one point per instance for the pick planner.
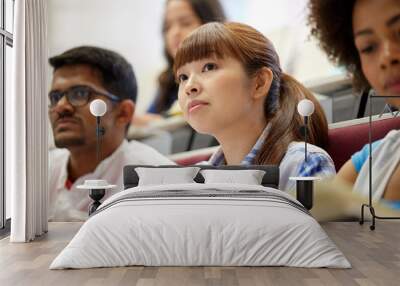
(235, 228)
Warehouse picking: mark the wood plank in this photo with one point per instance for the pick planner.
(375, 257)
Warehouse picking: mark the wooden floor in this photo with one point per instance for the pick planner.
(374, 255)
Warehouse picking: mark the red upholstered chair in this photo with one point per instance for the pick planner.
(193, 157)
(346, 140)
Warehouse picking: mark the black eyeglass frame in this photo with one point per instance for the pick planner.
(91, 90)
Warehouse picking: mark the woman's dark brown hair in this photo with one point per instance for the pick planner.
(255, 52)
(207, 11)
(331, 22)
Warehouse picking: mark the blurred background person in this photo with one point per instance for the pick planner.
(180, 19)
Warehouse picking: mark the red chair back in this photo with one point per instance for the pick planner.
(345, 141)
(194, 159)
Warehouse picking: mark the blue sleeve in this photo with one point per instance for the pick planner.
(317, 165)
(359, 158)
(153, 107)
(172, 97)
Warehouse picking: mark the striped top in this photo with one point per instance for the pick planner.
(293, 164)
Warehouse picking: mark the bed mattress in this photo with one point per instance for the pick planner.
(201, 225)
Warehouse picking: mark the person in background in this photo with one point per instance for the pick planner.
(81, 75)
(231, 86)
(180, 19)
(369, 47)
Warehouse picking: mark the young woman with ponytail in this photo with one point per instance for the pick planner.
(231, 86)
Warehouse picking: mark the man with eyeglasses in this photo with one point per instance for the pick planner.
(81, 75)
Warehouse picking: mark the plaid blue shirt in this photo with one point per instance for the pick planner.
(318, 163)
(218, 158)
(293, 164)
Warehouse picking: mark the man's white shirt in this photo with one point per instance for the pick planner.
(72, 204)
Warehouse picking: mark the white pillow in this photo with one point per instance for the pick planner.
(162, 176)
(248, 177)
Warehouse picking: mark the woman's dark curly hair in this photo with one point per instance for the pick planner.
(331, 23)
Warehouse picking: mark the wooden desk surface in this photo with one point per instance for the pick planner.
(374, 255)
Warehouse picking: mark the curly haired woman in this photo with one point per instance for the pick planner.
(364, 37)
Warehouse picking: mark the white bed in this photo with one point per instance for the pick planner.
(201, 224)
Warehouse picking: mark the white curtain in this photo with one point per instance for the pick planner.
(27, 123)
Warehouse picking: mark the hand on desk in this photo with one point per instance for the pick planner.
(335, 200)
